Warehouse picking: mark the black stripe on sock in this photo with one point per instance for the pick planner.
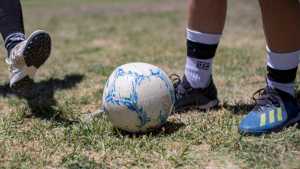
(200, 50)
(12, 40)
(282, 76)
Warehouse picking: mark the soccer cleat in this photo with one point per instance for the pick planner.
(187, 97)
(26, 57)
(274, 110)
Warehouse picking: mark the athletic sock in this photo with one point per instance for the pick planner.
(12, 40)
(201, 48)
(282, 70)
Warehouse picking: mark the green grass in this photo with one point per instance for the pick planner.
(90, 39)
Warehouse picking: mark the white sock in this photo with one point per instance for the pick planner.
(282, 69)
(198, 78)
(201, 50)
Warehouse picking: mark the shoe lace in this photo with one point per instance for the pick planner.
(176, 80)
(265, 97)
(179, 90)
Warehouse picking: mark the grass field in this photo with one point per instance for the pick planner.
(90, 39)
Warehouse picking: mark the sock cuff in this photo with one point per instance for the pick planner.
(201, 37)
(12, 39)
(200, 51)
(282, 76)
(286, 87)
(16, 36)
(282, 61)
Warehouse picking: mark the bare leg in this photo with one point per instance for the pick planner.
(207, 15)
(281, 20)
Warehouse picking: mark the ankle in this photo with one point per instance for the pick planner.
(283, 88)
(12, 40)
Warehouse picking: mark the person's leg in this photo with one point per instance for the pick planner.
(205, 25)
(281, 21)
(11, 23)
(207, 16)
(276, 106)
(282, 30)
(25, 56)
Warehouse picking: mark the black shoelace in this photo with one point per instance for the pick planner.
(265, 97)
(180, 91)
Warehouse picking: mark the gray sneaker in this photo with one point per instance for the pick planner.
(188, 97)
(26, 57)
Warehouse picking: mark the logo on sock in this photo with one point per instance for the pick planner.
(203, 65)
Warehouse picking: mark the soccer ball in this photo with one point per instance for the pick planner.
(138, 97)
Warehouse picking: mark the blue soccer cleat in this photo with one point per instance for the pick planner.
(274, 110)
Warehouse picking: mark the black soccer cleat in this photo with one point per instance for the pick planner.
(190, 98)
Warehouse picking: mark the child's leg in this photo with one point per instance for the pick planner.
(282, 29)
(11, 22)
(25, 56)
(276, 106)
(207, 15)
(205, 26)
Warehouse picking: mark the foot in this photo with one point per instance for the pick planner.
(274, 110)
(188, 97)
(26, 57)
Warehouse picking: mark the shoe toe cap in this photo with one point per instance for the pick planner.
(254, 124)
(251, 124)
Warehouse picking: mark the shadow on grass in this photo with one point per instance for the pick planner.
(244, 108)
(167, 129)
(238, 108)
(40, 97)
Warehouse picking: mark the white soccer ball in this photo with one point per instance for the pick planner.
(138, 97)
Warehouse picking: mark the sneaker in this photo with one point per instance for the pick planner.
(274, 110)
(26, 57)
(188, 97)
